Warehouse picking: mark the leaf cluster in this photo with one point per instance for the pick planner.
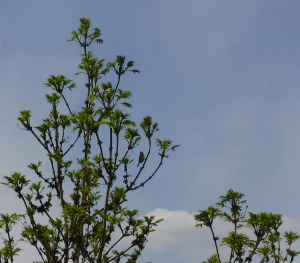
(264, 226)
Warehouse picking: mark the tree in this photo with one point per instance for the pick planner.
(10, 249)
(83, 232)
(264, 225)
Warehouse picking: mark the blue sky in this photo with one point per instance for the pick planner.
(220, 77)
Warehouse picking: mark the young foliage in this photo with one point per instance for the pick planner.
(86, 231)
(10, 250)
(264, 226)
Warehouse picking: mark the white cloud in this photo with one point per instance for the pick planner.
(178, 229)
(177, 226)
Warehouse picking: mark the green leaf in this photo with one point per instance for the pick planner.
(213, 259)
(25, 119)
(59, 83)
(83, 35)
(291, 237)
(148, 126)
(237, 242)
(234, 199)
(206, 217)
(165, 146)
(16, 181)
